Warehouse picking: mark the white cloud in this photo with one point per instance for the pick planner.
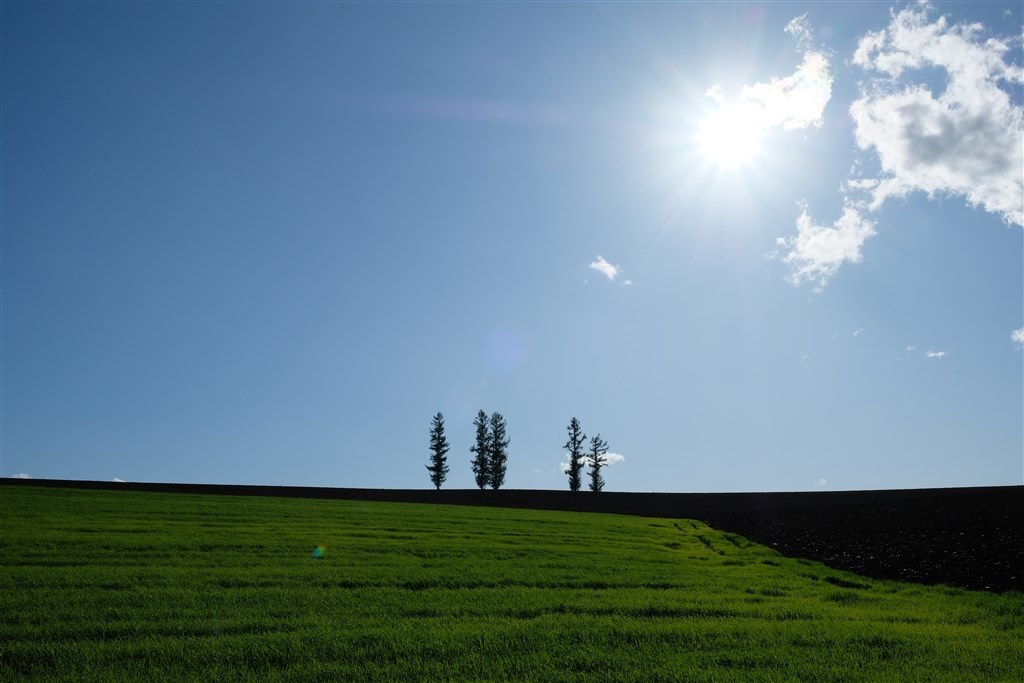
(117, 480)
(1017, 336)
(817, 251)
(20, 475)
(911, 348)
(791, 102)
(963, 137)
(628, 283)
(612, 458)
(796, 101)
(859, 331)
(964, 140)
(605, 268)
(821, 482)
(935, 354)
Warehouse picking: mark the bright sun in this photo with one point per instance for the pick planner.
(730, 137)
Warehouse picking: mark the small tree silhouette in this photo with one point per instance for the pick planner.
(499, 451)
(598, 449)
(575, 447)
(438, 466)
(482, 451)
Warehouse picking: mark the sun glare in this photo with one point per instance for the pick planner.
(731, 136)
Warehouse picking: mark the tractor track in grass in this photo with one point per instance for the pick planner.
(965, 537)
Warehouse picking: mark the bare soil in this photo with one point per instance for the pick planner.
(965, 537)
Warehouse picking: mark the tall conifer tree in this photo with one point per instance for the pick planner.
(499, 451)
(575, 447)
(482, 451)
(598, 449)
(438, 466)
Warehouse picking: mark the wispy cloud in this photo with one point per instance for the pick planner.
(117, 480)
(967, 141)
(801, 29)
(605, 268)
(929, 354)
(821, 482)
(816, 252)
(1017, 336)
(20, 475)
(859, 331)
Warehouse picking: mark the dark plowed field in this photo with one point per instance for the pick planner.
(967, 537)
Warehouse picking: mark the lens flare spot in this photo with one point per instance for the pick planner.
(319, 552)
(504, 349)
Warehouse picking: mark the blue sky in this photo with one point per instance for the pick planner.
(756, 246)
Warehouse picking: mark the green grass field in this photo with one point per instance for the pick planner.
(107, 586)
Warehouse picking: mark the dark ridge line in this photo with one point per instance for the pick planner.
(644, 504)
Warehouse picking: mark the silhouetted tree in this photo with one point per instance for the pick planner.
(598, 448)
(438, 466)
(499, 451)
(575, 447)
(482, 451)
